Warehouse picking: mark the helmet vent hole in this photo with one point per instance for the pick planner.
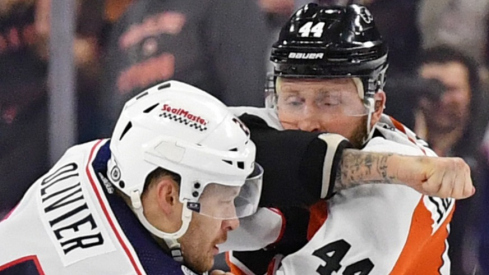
(141, 95)
(234, 150)
(128, 126)
(150, 108)
(241, 164)
(122, 184)
(228, 161)
(164, 86)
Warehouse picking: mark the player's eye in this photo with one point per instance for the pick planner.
(328, 100)
(294, 101)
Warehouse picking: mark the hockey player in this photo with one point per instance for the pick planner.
(330, 65)
(178, 158)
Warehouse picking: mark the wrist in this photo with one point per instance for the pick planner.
(407, 170)
(394, 165)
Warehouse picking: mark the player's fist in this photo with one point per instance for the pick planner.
(438, 177)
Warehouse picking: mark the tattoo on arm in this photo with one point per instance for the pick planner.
(359, 168)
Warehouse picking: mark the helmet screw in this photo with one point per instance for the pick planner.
(195, 194)
(122, 184)
(196, 185)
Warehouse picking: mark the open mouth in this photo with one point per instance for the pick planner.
(215, 250)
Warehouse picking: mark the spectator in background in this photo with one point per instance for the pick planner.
(405, 92)
(24, 57)
(462, 24)
(216, 45)
(458, 114)
(454, 126)
(23, 103)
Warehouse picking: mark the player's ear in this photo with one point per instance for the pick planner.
(380, 99)
(167, 192)
(161, 204)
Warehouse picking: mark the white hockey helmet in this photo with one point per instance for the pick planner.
(187, 131)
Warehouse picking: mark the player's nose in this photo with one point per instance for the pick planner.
(230, 224)
(309, 121)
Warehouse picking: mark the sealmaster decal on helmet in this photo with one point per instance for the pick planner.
(183, 116)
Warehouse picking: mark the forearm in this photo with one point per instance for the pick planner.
(358, 167)
(434, 176)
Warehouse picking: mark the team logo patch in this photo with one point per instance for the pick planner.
(115, 173)
(184, 117)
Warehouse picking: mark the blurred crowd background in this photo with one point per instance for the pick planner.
(437, 82)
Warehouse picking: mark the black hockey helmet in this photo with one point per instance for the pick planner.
(331, 41)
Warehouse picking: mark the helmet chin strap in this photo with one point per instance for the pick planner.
(370, 104)
(171, 239)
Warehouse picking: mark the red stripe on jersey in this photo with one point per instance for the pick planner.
(32, 258)
(284, 222)
(272, 266)
(104, 208)
(318, 215)
(399, 126)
